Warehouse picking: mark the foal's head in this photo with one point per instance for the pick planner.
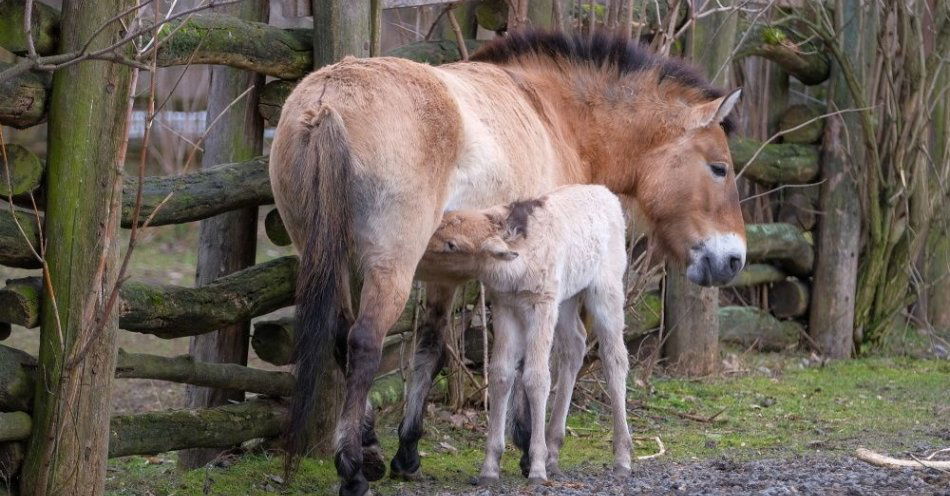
(481, 234)
(647, 127)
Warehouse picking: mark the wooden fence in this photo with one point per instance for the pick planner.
(781, 255)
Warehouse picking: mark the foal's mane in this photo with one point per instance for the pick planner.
(606, 53)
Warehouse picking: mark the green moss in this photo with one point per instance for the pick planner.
(881, 403)
(773, 36)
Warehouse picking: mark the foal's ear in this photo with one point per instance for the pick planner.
(714, 112)
(499, 249)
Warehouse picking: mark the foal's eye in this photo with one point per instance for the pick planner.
(718, 170)
(450, 246)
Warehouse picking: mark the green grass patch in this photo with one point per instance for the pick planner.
(886, 404)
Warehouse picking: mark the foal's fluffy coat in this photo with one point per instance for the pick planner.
(540, 261)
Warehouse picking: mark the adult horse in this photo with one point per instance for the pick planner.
(369, 153)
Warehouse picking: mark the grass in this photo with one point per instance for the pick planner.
(784, 408)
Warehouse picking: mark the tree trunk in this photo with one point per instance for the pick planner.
(88, 116)
(227, 242)
(340, 28)
(831, 324)
(692, 346)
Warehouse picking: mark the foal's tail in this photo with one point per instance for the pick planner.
(323, 156)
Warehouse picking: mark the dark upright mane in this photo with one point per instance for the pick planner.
(607, 52)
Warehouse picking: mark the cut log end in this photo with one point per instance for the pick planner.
(274, 227)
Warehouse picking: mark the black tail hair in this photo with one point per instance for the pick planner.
(323, 154)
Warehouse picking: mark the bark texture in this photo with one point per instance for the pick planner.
(185, 369)
(218, 427)
(89, 107)
(16, 379)
(15, 244)
(775, 163)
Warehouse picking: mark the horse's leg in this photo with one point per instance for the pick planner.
(508, 348)
(426, 365)
(570, 343)
(539, 334)
(605, 305)
(521, 420)
(384, 294)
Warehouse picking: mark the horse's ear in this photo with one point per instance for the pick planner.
(714, 112)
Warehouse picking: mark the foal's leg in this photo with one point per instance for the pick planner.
(539, 333)
(384, 294)
(506, 351)
(605, 304)
(427, 362)
(570, 343)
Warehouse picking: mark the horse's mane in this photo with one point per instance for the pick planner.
(611, 53)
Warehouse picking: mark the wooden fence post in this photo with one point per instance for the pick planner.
(227, 242)
(831, 323)
(87, 128)
(340, 28)
(692, 324)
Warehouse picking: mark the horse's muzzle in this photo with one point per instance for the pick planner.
(716, 260)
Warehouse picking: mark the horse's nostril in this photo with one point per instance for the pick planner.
(735, 263)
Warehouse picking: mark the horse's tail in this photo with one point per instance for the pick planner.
(324, 151)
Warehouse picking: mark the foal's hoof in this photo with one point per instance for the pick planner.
(374, 468)
(485, 480)
(358, 486)
(555, 472)
(536, 481)
(620, 472)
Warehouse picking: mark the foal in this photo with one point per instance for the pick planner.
(564, 250)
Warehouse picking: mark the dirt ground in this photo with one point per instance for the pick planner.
(799, 475)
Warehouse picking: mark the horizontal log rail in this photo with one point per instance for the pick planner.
(787, 246)
(176, 311)
(807, 61)
(185, 369)
(15, 426)
(219, 427)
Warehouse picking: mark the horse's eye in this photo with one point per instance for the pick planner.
(450, 246)
(718, 170)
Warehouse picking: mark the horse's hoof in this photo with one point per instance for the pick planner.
(357, 486)
(400, 470)
(621, 472)
(374, 467)
(525, 464)
(536, 481)
(555, 472)
(486, 480)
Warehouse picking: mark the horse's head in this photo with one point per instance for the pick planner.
(472, 233)
(686, 190)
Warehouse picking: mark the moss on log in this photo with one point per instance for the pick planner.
(23, 99)
(218, 427)
(26, 171)
(16, 379)
(200, 194)
(789, 299)
(644, 314)
(798, 115)
(44, 22)
(15, 426)
(783, 244)
(433, 52)
(175, 311)
(272, 99)
(14, 248)
(226, 40)
(806, 61)
(776, 163)
(755, 274)
(752, 327)
(185, 369)
(20, 302)
(274, 227)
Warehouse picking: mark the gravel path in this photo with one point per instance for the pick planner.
(805, 475)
